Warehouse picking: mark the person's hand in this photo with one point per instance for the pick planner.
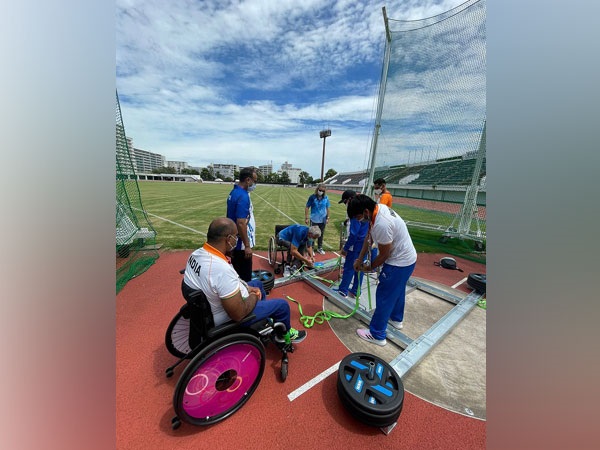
(306, 221)
(357, 265)
(343, 252)
(248, 252)
(256, 291)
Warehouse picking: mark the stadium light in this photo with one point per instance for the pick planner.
(323, 135)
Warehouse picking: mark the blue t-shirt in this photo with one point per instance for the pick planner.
(297, 235)
(239, 206)
(356, 235)
(318, 208)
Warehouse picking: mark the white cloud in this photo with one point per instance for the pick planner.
(254, 81)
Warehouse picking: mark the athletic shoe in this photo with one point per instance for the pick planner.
(292, 336)
(321, 251)
(396, 325)
(343, 294)
(365, 335)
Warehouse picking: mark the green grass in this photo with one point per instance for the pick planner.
(181, 212)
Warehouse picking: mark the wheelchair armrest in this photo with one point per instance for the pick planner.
(229, 326)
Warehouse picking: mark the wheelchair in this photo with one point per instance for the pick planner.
(226, 362)
(281, 248)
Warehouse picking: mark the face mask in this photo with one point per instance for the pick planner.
(251, 188)
(231, 247)
(310, 242)
(320, 193)
(377, 191)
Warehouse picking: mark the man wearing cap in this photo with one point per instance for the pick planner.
(356, 235)
(300, 240)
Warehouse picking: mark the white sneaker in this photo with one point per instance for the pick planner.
(365, 334)
(396, 325)
(321, 251)
(286, 271)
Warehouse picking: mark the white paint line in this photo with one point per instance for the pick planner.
(174, 223)
(316, 380)
(276, 209)
(459, 283)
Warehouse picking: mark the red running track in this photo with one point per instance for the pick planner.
(269, 420)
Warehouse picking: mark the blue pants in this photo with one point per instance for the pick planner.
(350, 274)
(276, 308)
(390, 298)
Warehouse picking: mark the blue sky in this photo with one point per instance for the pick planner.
(253, 82)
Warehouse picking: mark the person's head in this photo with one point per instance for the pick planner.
(314, 232)
(222, 234)
(379, 186)
(361, 207)
(346, 196)
(320, 190)
(248, 178)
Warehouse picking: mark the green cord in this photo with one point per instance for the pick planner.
(322, 316)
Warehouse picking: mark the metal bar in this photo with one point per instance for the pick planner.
(417, 350)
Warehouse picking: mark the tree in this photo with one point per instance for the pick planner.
(164, 170)
(303, 177)
(206, 175)
(330, 173)
(285, 178)
(188, 171)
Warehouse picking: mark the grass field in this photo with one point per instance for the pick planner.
(181, 212)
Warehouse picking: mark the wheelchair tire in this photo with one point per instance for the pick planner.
(220, 379)
(266, 277)
(272, 255)
(177, 336)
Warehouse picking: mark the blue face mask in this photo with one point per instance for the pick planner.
(251, 188)
(310, 242)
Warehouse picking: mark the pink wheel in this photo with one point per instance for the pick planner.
(219, 379)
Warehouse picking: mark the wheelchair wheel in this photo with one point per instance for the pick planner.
(220, 379)
(177, 336)
(272, 255)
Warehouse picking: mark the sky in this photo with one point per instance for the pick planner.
(254, 82)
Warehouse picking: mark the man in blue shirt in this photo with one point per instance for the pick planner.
(240, 210)
(300, 239)
(318, 205)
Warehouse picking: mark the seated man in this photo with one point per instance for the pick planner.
(299, 239)
(229, 296)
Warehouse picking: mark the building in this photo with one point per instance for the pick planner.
(224, 170)
(177, 165)
(147, 161)
(293, 174)
(265, 170)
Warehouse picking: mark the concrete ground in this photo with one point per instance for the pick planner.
(453, 374)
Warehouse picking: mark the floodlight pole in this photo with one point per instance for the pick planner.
(323, 135)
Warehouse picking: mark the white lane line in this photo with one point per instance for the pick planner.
(170, 221)
(459, 283)
(316, 380)
(276, 209)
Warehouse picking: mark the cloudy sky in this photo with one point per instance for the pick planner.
(253, 82)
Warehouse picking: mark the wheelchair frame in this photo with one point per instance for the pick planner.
(275, 248)
(226, 362)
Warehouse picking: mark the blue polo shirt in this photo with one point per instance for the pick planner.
(239, 206)
(297, 235)
(318, 208)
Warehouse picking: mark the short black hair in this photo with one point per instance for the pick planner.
(379, 181)
(358, 204)
(247, 172)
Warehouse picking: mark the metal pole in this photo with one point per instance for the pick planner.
(323, 159)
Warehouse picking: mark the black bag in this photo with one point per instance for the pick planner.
(448, 263)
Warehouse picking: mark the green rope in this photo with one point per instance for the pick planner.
(325, 316)
(322, 316)
(482, 303)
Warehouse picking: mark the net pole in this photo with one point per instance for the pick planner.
(367, 189)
